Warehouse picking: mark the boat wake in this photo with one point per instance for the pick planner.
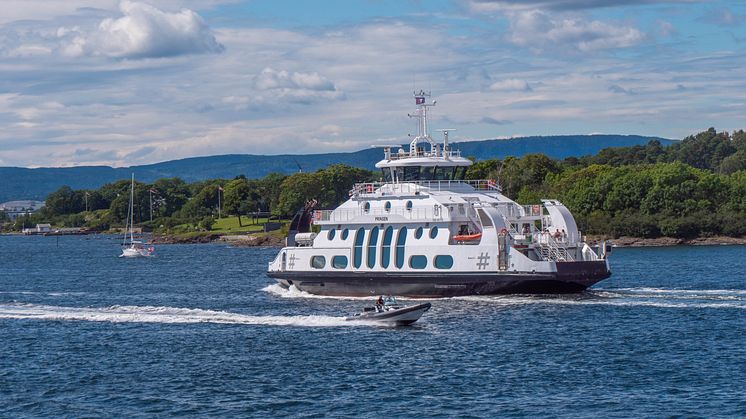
(170, 315)
(294, 292)
(624, 297)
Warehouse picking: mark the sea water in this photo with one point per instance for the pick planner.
(200, 329)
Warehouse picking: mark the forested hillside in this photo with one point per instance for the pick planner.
(693, 188)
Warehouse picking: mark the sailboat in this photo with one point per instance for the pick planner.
(132, 248)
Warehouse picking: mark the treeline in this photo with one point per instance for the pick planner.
(177, 204)
(693, 188)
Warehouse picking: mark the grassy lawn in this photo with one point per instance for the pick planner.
(230, 225)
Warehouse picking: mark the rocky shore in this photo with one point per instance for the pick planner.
(274, 240)
(243, 240)
(669, 241)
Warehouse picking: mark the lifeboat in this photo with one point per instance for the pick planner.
(467, 237)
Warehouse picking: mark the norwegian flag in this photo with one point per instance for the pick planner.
(153, 191)
(220, 188)
(419, 100)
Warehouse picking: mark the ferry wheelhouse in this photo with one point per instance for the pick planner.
(426, 231)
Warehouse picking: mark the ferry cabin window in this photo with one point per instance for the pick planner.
(386, 174)
(357, 257)
(318, 262)
(418, 262)
(409, 205)
(387, 206)
(345, 234)
(339, 262)
(331, 234)
(401, 241)
(418, 233)
(433, 232)
(366, 207)
(372, 244)
(443, 262)
(388, 235)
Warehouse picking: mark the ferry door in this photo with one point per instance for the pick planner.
(284, 261)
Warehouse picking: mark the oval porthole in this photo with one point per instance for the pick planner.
(418, 262)
(433, 232)
(409, 205)
(443, 262)
(345, 234)
(318, 262)
(331, 234)
(387, 206)
(366, 206)
(418, 233)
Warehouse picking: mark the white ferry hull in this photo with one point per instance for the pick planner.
(570, 277)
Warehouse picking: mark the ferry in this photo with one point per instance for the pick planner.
(425, 231)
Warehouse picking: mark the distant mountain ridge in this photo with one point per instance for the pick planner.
(24, 183)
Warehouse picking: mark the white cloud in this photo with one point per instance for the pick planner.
(539, 30)
(298, 87)
(511, 85)
(500, 5)
(143, 31)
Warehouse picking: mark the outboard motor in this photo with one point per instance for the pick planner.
(301, 222)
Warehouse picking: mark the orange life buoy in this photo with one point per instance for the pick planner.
(370, 188)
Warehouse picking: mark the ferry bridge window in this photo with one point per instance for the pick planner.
(386, 174)
(345, 234)
(460, 173)
(357, 257)
(339, 262)
(318, 262)
(434, 232)
(388, 235)
(411, 174)
(426, 173)
(418, 233)
(331, 234)
(401, 241)
(443, 173)
(443, 262)
(418, 262)
(372, 244)
(399, 174)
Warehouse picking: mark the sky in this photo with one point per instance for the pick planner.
(120, 83)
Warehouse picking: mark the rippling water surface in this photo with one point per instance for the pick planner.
(200, 329)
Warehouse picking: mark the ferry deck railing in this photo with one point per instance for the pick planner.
(412, 186)
(343, 215)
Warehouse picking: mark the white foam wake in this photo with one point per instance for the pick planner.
(597, 298)
(294, 292)
(150, 314)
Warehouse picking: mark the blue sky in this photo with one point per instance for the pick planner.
(132, 82)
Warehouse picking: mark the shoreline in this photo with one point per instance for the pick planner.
(273, 240)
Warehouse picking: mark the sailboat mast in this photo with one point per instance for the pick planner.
(132, 209)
